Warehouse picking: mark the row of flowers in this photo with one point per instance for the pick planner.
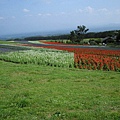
(96, 62)
(40, 57)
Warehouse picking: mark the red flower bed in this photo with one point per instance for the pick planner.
(47, 42)
(59, 43)
(99, 62)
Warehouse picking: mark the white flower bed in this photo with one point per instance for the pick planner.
(41, 57)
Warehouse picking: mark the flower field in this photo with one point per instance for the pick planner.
(83, 58)
(95, 59)
(97, 62)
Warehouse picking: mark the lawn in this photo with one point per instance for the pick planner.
(37, 92)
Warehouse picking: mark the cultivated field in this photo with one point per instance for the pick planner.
(49, 84)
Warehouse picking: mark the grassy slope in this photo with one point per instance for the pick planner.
(36, 93)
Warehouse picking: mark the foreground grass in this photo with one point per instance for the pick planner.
(47, 93)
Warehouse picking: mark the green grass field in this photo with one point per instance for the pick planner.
(34, 92)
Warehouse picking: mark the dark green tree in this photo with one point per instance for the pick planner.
(118, 37)
(73, 36)
(78, 35)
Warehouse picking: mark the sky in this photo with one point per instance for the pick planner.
(23, 16)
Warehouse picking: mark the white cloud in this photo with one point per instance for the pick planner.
(1, 18)
(45, 14)
(26, 10)
(103, 10)
(80, 10)
(89, 9)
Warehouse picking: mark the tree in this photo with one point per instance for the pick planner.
(72, 36)
(78, 35)
(118, 38)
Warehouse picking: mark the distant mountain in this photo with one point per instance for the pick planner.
(101, 28)
(107, 27)
(23, 35)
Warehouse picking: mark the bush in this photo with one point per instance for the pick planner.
(92, 42)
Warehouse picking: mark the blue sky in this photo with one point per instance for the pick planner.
(23, 16)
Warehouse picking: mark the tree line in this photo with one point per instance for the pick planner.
(67, 36)
(78, 35)
(53, 37)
